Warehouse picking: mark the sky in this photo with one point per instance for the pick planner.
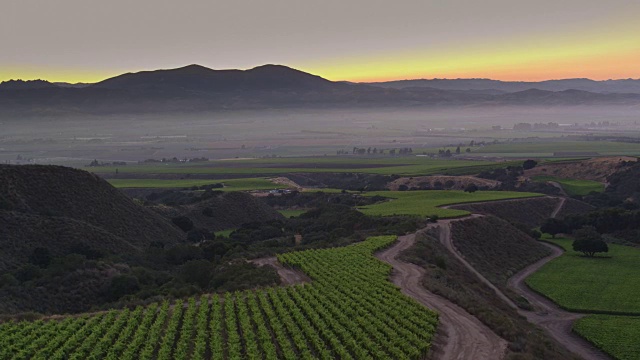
(354, 40)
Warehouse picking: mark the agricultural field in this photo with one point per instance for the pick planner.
(608, 283)
(407, 165)
(573, 186)
(229, 184)
(429, 202)
(616, 335)
(290, 213)
(542, 149)
(349, 311)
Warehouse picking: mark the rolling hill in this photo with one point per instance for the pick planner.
(59, 208)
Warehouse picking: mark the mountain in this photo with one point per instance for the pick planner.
(198, 78)
(194, 88)
(60, 208)
(606, 86)
(26, 85)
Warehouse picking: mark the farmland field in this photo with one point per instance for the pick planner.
(349, 311)
(573, 186)
(609, 283)
(429, 202)
(617, 335)
(547, 148)
(229, 184)
(412, 165)
(290, 213)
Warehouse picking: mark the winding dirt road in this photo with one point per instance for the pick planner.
(547, 315)
(467, 337)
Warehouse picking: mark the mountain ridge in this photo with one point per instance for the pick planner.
(195, 88)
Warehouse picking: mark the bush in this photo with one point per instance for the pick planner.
(122, 285)
(41, 257)
(183, 222)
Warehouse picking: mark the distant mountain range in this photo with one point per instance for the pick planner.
(606, 86)
(196, 88)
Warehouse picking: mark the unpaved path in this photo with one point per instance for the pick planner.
(288, 276)
(467, 337)
(556, 321)
(559, 207)
(547, 315)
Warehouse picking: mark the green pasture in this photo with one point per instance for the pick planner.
(428, 202)
(608, 283)
(616, 335)
(406, 165)
(229, 184)
(290, 213)
(547, 148)
(573, 186)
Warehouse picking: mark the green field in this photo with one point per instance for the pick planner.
(290, 213)
(406, 165)
(547, 148)
(229, 184)
(616, 335)
(603, 284)
(224, 233)
(350, 310)
(428, 202)
(573, 186)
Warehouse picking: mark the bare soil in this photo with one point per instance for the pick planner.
(597, 169)
(288, 276)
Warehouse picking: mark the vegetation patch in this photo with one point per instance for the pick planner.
(616, 335)
(603, 284)
(574, 186)
(429, 202)
(229, 184)
(350, 310)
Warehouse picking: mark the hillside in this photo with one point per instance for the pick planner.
(596, 169)
(532, 212)
(56, 207)
(484, 240)
(225, 211)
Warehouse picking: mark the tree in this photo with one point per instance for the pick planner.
(529, 164)
(122, 285)
(588, 241)
(458, 150)
(183, 222)
(471, 188)
(40, 257)
(553, 227)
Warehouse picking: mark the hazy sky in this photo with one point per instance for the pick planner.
(358, 40)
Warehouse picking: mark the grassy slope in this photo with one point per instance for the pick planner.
(230, 184)
(598, 284)
(290, 213)
(428, 202)
(574, 186)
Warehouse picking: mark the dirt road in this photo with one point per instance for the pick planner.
(288, 276)
(467, 337)
(549, 316)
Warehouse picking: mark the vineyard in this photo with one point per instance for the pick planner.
(349, 311)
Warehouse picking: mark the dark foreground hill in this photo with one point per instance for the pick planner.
(58, 208)
(224, 210)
